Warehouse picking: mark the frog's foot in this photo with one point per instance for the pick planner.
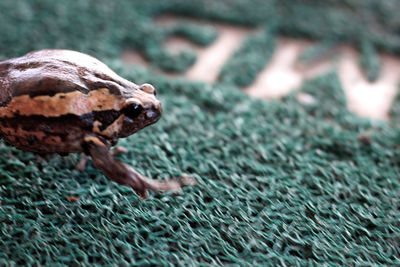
(125, 175)
(82, 163)
(119, 150)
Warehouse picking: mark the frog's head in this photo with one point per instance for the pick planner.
(140, 110)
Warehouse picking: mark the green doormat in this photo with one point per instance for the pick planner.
(279, 182)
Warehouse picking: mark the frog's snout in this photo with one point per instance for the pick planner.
(153, 109)
(148, 88)
(154, 112)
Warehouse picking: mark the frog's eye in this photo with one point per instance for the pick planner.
(148, 88)
(132, 109)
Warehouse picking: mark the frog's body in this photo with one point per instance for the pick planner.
(61, 101)
(51, 100)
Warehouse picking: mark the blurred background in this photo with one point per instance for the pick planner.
(245, 38)
(285, 112)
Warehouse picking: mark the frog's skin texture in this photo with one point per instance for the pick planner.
(61, 101)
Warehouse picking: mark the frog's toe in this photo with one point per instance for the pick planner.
(119, 150)
(186, 180)
(81, 166)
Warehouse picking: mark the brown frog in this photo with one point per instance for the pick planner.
(61, 101)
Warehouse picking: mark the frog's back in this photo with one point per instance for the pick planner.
(48, 72)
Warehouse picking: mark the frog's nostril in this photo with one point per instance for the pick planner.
(154, 112)
(151, 114)
(148, 88)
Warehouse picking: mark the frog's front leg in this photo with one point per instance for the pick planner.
(124, 174)
(82, 163)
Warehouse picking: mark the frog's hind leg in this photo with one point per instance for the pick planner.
(124, 174)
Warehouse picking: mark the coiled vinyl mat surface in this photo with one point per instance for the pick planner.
(279, 182)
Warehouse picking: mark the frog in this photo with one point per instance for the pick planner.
(57, 101)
